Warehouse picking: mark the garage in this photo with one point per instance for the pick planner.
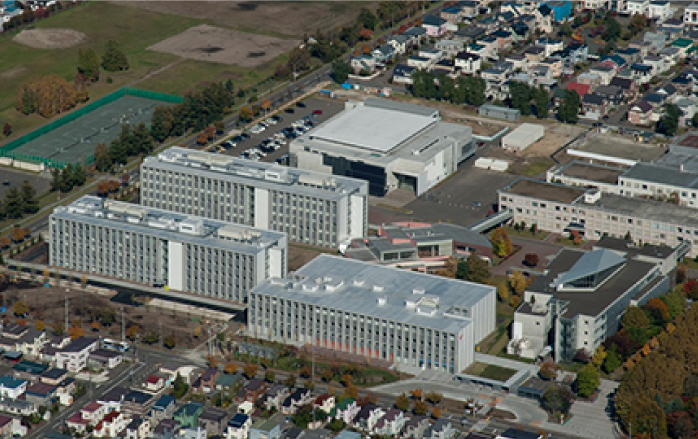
(522, 137)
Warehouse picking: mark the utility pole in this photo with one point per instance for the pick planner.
(123, 326)
(67, 312)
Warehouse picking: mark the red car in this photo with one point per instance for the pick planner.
(318, 112)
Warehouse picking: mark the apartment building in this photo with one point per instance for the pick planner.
(415, 321)
(311, 207)
(157, 247)
(580, 299)
(563, 209)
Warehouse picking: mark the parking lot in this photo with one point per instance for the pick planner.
(328, 107)
(10, 178)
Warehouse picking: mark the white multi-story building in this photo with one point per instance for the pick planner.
(414, 320)
(637, 7)
(74, 357)
(312, 208)
(690, 14)
(389, 144)
(183, 253)
(563, 209)
(659, 9)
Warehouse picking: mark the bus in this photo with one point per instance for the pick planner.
(113, 345)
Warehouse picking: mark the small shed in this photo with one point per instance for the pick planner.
(497, 112)
(523, 137)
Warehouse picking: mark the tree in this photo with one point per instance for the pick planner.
(611, 362)
(541, 99)
(40, 325)
(501, 244)
(13, 206)
(599, 356)
(587, 381)
(169, 342)
(367, 19)
(548, 370)
(79, 175)
(557, 399)
(520, 96)
(478, 269)
(340, 71)
(420, 408)
(346, 380)
(518, 282)
(103, 161)
(503, 291)
(531, 259)
(658, 311)
(212, 362)
(305, 372)
(336, 425)
(416, 394)
(231, 368)
(7, 129)
(402, 402)
(95, 326)
(179, 387)
(433, 397)
(67, 181)
(75, 331)
(246, 114)
(327, 375)
(436, 413)
(114, 59)
(197, 331)
(269, 376)
(132, 331)
(569, 109)
(88, 64)
(20, 308)
(638, 23)
(634, 317)
(669, 122)
(681, 274)
(290, 381)
(473, 90)
(250, 370)
(613, 30)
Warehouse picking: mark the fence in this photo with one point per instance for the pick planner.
(8, 149)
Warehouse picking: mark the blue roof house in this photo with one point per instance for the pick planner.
(561, 9)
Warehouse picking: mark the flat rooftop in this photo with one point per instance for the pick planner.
(382, 292)
(256, 174)
(663, 175)
(621, 147)
(375, 129)
(658, 211)
(588, 171)
(547, 191)
(167, 225)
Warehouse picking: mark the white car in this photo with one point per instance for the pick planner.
(259, 128)
(270, 121)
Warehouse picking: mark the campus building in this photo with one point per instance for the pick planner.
(580, 298)
(389, 144)
(413, 320)
(558, 208)
(152, 246)
(312, 208)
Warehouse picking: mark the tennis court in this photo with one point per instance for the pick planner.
(73, 138)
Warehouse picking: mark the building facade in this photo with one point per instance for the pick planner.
(312, 208)
(157, 247)
(413, 320)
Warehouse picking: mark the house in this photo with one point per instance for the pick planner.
(659, 10)
(416, 34)
(111, 425)
(684, 45)
(17, 407)
(581, 89)
(402, 74)
(114, 398)
(213, 421)
(560, 9)
(188, 414)
(166, 429)
(206, 382)
(40, 393)
(657, 40)
(489, 23)
(550, 45)
(298, 398)
(11, 427)
(267, 428)
(251, 391)
(616, 62)
(449, 47)
(415, 427)
(534, 54)
(345, 410)
(521, 29)
(11, 387)
(363, 63)
(591, 79)
(630, 55)
(468, 34)
(420, 62)
(163, 408)
(468, 63)
(593, 106)
(504, 38)
(490, 47)
(28, 340)
(137, 403)
(606, 73)
(612, 94)
(642, 73)
(367, 417)
(275, 396)
(155, 383)
(469, 7)
(385, 53)
(688, 107)
(229, 382)
(53, 376)
(391, 423)
(434, 26)
(77, 424)
(102, 358)
(673, 27)
(74, 356)
(627, 86)
(192, 433)
(399, 43)
(640, 7)
(640, 113)
(655, 99)
(690, 14)
(138, 428)
(238, 427)
(452, 14)
(325, 402)
(441, 429)
(519, 62)
(499, 72)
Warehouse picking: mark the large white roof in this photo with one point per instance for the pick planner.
(375, 129)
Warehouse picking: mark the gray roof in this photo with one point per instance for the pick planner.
(168, 225)
(662, 175)
(382, 292)
(589, 264)
(256, 174)
(658, 211)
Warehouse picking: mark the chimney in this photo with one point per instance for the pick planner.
(681, 167)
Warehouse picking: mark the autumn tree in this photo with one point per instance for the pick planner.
(351, 391)
(132, 331)
(250, 370)
(557, 399)
(169, 342)
(290, 381)
(20, 308)
(95, 326)
(416, 394)
(599, 356)
(518, 282)
(75, 331)
(548, 370)
(197, 331)
(658, 311)
(433, 397)
(501, 244)
(402, 402)
(246, 114)
(436, 413)
(17, 234)
(40, 325)
(212, 362)
(503, 291)
(7, 129)
(269, 376)
(346, 380)
(327, 375)
(531, 259)
(420, 408)
(305, 372)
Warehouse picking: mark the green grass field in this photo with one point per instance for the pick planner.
(135, 29)
(490, 371)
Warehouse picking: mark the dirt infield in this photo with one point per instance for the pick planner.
(289, 18)
(50, 38)
(225, 46)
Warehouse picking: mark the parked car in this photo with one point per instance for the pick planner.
(300, 104)
(318, 112)
(290, 110)
(277, 118)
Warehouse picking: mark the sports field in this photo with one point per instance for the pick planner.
(75, 141)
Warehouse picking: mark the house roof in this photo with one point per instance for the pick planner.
(41, 389)
(164, 401)
(593, 98)
(10, 382)
(79, 344)
(432, 20)
(581, 89)
(212, 414)
(655, 98)
(92, 407)
(624, 83)
(642, 106)
(238, 420)
(54, 373)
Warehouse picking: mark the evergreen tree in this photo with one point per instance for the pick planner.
(569, 110)
(587, 381)
(542, 102)
(88, 64)
(66, 182)
(79, 175)
(29, 202)
(669, 122)
(340, 71)
(367, 19)
(13, 205)
(161, 123)
(142, 140)
(103, 161)
(520, 96)
(114, 59)
(55, 179)
(473, 90)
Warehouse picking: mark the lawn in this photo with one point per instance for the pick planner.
(532, 167)
(490, 371)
